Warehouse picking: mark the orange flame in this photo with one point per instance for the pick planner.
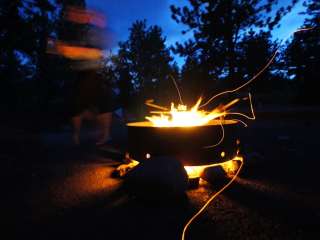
(180, 116)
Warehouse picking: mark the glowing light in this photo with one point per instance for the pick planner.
(223, 154)
(148, 156)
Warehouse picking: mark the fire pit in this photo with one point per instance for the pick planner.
(215, 144)
(196, 138)
(190, 145)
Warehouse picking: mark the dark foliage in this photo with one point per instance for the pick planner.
(302, 56)
(226, 35)
(145, 61)
(30, 79)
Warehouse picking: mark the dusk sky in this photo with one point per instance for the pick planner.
(122, 13)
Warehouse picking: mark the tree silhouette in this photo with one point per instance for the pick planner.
(25, 27)
(302, 56)
(255, 51)
(218, 27)
(145, 60)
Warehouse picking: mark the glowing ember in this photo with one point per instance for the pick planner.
(230, 167)
(194, 171)
(130, 164)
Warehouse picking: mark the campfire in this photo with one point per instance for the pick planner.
(197, 138)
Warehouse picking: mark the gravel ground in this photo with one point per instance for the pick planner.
(55, 191)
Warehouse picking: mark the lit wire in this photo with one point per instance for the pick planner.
(178, 90)
(221, 140)
(240, 121)
(241, 114)
(259, 73)
(246, 116)
(151, 104)
(210, 200)
(246, 83)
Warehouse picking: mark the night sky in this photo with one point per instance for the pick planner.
(122, 13)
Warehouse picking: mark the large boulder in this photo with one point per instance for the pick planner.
(163, 177)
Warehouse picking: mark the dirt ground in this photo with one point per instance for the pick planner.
(52, 190)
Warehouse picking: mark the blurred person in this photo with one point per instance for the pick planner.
(90, 100)
(82, 40)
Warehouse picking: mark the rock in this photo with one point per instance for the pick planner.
(163, 177)
(215, 175)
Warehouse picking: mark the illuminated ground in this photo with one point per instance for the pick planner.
(56, 192)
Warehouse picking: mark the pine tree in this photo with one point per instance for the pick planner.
(302, 56)
(146, 58)
(218, 28)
